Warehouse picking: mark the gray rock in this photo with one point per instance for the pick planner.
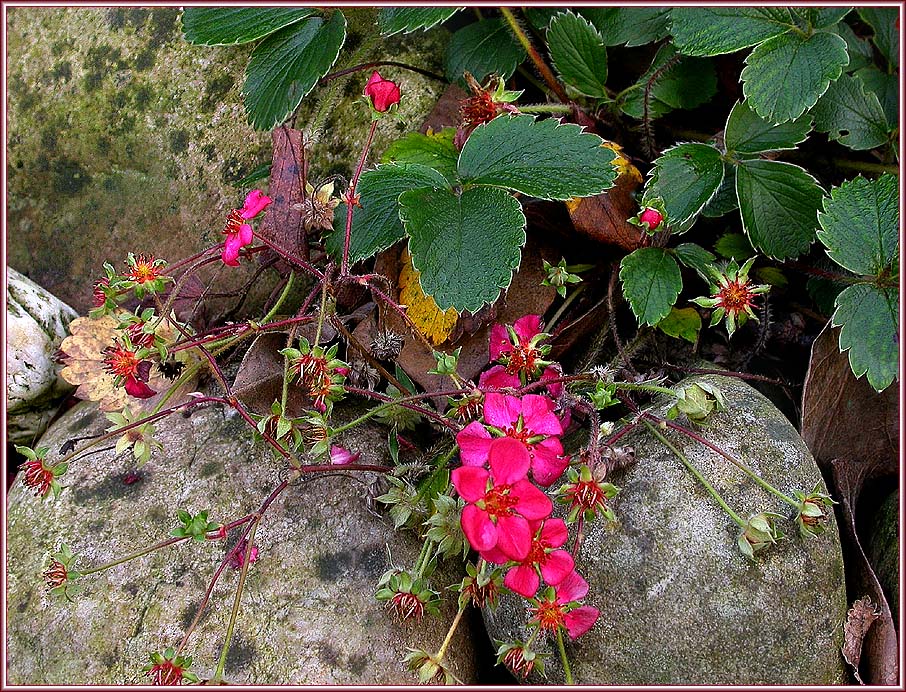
(308, 614)
(36, 324)
(883, 548)
(679, 603)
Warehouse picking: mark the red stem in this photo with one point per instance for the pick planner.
(351, 198)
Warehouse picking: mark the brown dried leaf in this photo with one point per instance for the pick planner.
(259, 380)
(859, 620)
(282, 224)
(446, 111)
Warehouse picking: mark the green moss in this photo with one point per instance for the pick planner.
(68, 176)
(162, 25)
(179, 141)
(145, 60)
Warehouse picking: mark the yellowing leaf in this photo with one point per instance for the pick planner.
(434, 323)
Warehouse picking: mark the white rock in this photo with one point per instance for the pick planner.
(36, 324)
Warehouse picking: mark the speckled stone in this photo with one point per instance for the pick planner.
(308, 613)
(36, 324)
(679, 603)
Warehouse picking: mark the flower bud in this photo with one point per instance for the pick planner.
(381, 93)
(759, 533)
(651, 217)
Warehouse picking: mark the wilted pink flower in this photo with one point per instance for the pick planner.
(550, 615)
(237, 559)
(341, 455)
(239, 234)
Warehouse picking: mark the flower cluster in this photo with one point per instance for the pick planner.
(144, 276)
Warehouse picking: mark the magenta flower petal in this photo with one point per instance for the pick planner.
(554, 533)
(522, 580)
(255, 202)
(572, 588)
(474, 442)
(557, 566)
(526, 327)
(231, 247)
(551, 373)
(494, 556)
(580, 620)
(537, 412)
(480, 531)
(499, 342)
(509, 460)
(501, 410)
(138, 389)
(548, 462)
(531, 502)
(382, 93)
(245, 235)
(341, 455)
(497, 377)
(514, 537)
(471, 482)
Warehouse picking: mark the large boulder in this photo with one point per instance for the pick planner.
(36, 325)
(308, 613)
(679, 602)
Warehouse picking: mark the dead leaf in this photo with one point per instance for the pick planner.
(282, 224)
(434, 323)
(259, 380)
(859, 620)
(446, 111)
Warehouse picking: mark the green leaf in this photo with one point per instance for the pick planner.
(434, 151)
(651, 282)
(483, 48)
(685, 178)
(541, 158)
(687, 84)
(749, 133)
(859, 49)
(787, 74)
(631, 26)
(734, 246)
(851, 115)
(882, 21)
(822, 17)
(724, 200)
(707, 31)
(778, 203)
(578, 53)
(376, 225)
(392, 20)
(227, 26)
(869, 317)
(466, 247)
(682, 323)
(286, 66)
(695, 257)
(860, 224)
(886, 87)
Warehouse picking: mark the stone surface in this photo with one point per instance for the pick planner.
(123, 137)
(308, 615)
(884, 548)
(679, 603)
(36, 324)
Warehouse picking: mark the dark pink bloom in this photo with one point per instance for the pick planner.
(551, 615)
(237, 559)
(382, 93)
(498, 377)
(239, 234)
(555, 565)
(500, 502)
(341, 455)
(526, 328)
(529, 420)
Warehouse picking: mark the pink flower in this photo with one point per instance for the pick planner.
(500, 502)
(239, 234)
(382, 93)
(129, 369)
(237, 559)
(526, 328)
(341, 455)
(551, 615)
(554, 565)
(529, 420)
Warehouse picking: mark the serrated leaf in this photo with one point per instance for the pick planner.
(483, 48)
(734, 246)
(883, 21)
(779, 205)
(630, 26)
(749, 133)
(392, 20)
(578, 53)
(227, 26)
(466, 246)
(286, 65)
(695, 257)
(434, 323)
(869, 317)
(685, 178)
(434, 151)
(785, 75)
(376, 225)
(851, 115)
(687, 84)
(724, 200)
(859, 49)
(705, 31)
(886, 87)
(651, 283)
(860, 224)
(822, 17)
(682, 323)
(541, 158)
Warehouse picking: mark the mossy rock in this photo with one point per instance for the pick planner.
(884, 548)
(308, 613)
(679, 602)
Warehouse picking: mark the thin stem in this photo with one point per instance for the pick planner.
(642, 387)
(441, 652)
(405, 402)
(695, 472)
(563, 659)
(321, 313)
(563, 307)
(380, 63)
(546, 108)
(351, 200)
(283, 296)
(546, 74)
(132, 556)
(290, 257)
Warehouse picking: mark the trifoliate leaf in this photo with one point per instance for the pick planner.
(860, 224)
(286, 65)
(851, 115)
(630, 26)
(886, 87)
(376, 224)
(392, 20)
(651, 282)
(883, 21)
(434, 151)
(686, 84)
(483, 48)
(869, 317)
(749, 133)
(724, 200)
(695, 257)
(467, 246)
(734, 246)
(682, 323)
(227, 26)
(578, 52)
(778, 203)
(787, 74)
(707, 31)
(541, 158)
(685, 178)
